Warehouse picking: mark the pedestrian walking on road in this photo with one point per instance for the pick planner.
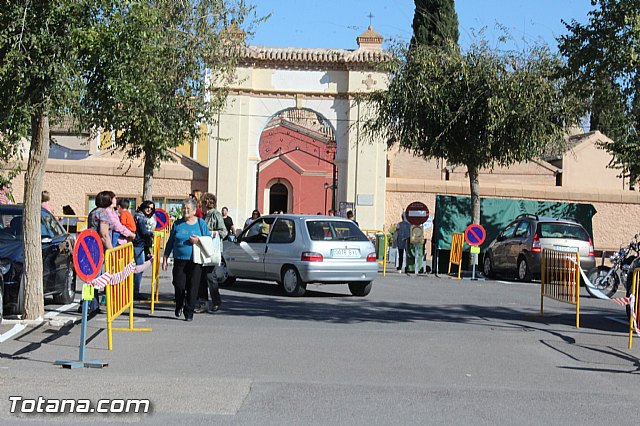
(228, 223)
(209, 279)
(186, 273)
(403, 232)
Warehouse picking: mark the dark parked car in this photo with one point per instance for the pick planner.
(518, 248)
(59, 279)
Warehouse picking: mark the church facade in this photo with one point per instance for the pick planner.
(289, 138)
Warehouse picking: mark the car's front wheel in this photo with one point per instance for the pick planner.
(524, 273)
(292, 283)
(67, 295)
(360, 289)
(487, 266)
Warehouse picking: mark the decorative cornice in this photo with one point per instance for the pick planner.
(310, 57)
(267, 93)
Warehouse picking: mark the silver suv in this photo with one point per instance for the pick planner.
(518, 248)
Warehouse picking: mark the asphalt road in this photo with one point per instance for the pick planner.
(417, 350)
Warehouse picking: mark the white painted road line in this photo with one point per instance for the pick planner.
(17, 328)
(59, 310)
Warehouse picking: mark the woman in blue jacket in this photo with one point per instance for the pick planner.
(186, 273)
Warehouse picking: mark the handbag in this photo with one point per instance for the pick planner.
(208, 252)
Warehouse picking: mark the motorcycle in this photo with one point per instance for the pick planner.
(607, 279)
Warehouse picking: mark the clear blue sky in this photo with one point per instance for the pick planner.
(336, 23)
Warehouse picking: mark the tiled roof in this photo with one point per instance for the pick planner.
(315, 55)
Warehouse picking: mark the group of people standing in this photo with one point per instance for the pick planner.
(116, 226)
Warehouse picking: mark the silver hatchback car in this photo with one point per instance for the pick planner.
(295, 250)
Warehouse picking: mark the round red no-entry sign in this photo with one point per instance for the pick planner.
(417, 213)
(88, 255)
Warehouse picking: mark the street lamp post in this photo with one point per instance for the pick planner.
(327, 185)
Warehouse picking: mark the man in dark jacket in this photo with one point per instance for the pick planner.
(403, 232)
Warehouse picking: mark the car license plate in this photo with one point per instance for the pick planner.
(566, 249)
(345, 253)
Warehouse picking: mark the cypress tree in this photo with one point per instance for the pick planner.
(435, 23)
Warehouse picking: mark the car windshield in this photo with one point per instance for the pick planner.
(562, 230)
(10, 225)
(334, 230)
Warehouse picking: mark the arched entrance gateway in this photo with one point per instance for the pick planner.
(278, 198)
(290, 135)
(297, 146)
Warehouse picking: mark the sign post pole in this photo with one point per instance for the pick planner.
(474, 235)
(88, 257)
(83, 330)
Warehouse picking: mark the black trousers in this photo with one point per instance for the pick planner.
(203, 287)
(400, 258)
(186, 280)
(210, 280)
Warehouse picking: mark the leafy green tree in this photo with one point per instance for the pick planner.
(148, 68)
(435, 23)
(602, 68)
(479, 108)
(38, 83)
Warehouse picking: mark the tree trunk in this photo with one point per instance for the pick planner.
(474, 185)
(32, 272)
(149, 166)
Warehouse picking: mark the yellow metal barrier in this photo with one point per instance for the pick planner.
(560, 276)
(73, 223)
(165, 233)
(119, 296)
(375, 233)
(633, 317)
(455, 257)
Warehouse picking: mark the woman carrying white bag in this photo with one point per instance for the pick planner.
(208, 251)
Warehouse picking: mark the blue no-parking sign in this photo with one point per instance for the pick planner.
(475, 234)
(88, 255)
(162, 219)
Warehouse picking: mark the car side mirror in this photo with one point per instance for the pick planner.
(46, 240)
(500, 238)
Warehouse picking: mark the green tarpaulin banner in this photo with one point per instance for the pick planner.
(453, 214)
